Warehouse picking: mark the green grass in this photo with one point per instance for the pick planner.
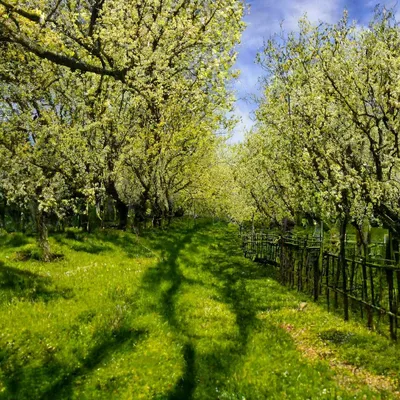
(175, 314)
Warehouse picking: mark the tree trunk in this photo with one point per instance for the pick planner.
(123, 210)
(42, 236)
(363, 240)
(121, 207)
(169, 211)
(84, 222)
(3, 214)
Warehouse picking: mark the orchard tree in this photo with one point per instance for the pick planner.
(111, 85)
(328, 103)
(170, 160)
(331, 109)
(145, 44)
(261, 171)
(362, 71)
(165, 52)
(167, 55)
(40, 144)
(215, 191)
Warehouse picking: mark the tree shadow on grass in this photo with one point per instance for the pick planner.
(19, 283)
(84, 244)
(167, 270)
(63, 378)
(63, 387)
(89, 247)
(127, 243)
(132, 247)
(226, 264)
(14, 240)
(185, 387)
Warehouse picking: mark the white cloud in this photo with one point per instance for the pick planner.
(248, 82)
(264, 21)
(266, 17)
(316, 10)
(244, 112)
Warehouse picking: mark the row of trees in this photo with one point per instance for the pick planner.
(326, 141)
(112, 99)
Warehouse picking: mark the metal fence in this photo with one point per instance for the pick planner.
(366, 286)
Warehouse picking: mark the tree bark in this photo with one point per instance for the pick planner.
(3, 214)
(42, 236)
(121, 207)
(123, 210)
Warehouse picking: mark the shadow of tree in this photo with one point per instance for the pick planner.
(201, 293)
(15, 240)
(62, 388)
(226, 264)
(61, 376)
(91, 248)
(185, 387)
(84, 244)
(125, 242)
(15, 282)
(132, 247)
(167, 270)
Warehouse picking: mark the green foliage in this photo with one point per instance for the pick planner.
(326, 142)
(111, 101)
(170, 315)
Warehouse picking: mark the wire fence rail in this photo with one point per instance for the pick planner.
(367, 286)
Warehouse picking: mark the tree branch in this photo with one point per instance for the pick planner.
(63, 60)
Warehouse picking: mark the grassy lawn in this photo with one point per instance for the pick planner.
(176, 314)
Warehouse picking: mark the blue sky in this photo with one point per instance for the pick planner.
(263, 20)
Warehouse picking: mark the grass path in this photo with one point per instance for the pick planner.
(178, 314)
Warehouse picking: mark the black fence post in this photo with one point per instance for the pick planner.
(392, 309)
(316, 278)
(328, 298)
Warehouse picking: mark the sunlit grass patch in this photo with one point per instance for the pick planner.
(354, 354)
(202, 316)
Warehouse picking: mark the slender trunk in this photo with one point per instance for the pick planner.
(169, 211)
(84, 222)
(121, 207)
(42, 235)
(362, 244)
(123, 210)
(22, 222)
(365, 295)
(140, 210)
(3, 214)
